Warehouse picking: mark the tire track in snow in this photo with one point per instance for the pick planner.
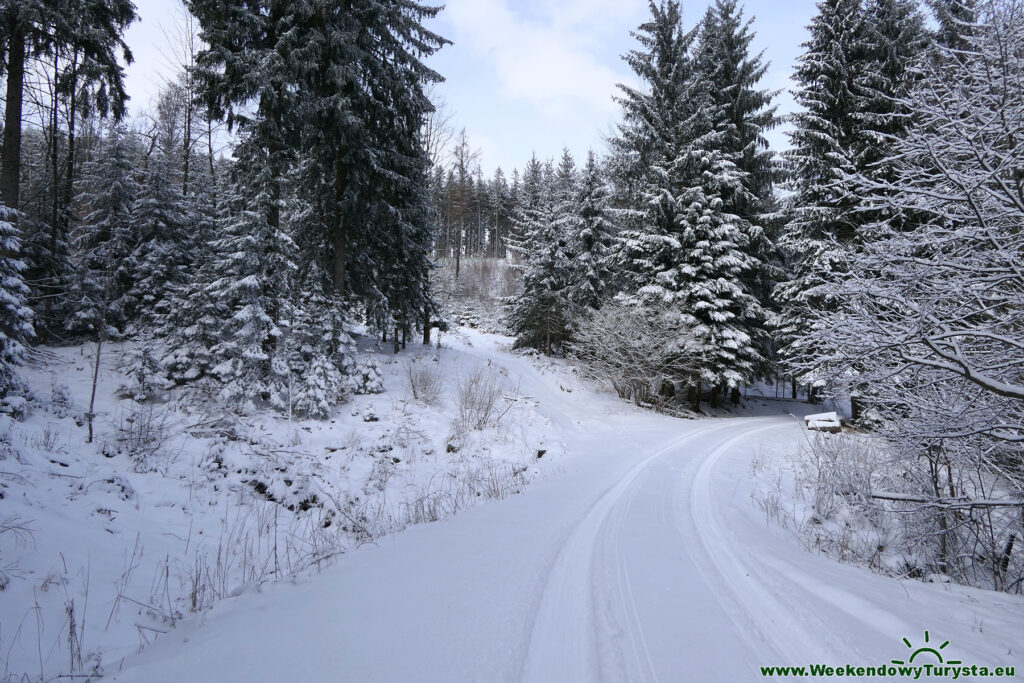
(649, 661)
(564, 640)
(793, 626)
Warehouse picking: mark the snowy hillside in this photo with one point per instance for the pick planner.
(175, 506)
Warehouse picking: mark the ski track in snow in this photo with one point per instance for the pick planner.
(643, 561)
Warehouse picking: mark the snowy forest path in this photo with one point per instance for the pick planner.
(639, 556)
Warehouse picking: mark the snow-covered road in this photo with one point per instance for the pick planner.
(643, 559)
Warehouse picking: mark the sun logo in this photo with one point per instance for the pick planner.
(926, 649)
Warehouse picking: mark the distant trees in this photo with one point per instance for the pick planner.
(79, 41)
(669, 220)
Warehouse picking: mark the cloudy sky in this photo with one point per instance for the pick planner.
(524, 75)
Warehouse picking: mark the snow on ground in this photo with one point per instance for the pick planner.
(105, 546)
(639, 551)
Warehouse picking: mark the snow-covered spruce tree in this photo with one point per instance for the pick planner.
(933, 308)
(252, 275)
(955, 19)
(688, 254)
(590, 229)
(743, 114)
(826, 140)
(538, 318)
(347, 87)
(102, 243)
(499, 200)
(15, 316)
(565, 182)
(407, 279)
(320, 354)
(164, 245)
(896, 39)
(192, 327)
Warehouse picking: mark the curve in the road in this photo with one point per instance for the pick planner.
(575, 629)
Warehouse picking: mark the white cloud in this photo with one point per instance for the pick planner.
(550, 55)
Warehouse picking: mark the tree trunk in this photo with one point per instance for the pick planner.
(458, 250)
(50, 273)
(186, 147)
(855, 409)
(10, 176)
(394, 339)
(715, 390)
(339, 236)
(426, 326)
(796, 388)
(91, 415)
(69, 175)
(735, 397)
(209, 149)
(695, 400)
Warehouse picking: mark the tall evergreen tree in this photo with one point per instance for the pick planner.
(827, 139)
(15, 316)
(689, 251)
(98, 299)
(895, 38)
(164, 246)
(956, 21)
(538, 318)
(743, 114)
(590, 230)
(344, 83)
(252, 282)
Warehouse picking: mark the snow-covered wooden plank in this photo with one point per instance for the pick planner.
(824, 422)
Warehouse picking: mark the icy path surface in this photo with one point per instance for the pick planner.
(643, 558)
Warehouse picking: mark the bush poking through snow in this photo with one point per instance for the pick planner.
(142, 434)
(61, 404)
(916, 517)
(843, 472)
(424, 380)
(635, 349)
(479, 397)
(320, 389)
